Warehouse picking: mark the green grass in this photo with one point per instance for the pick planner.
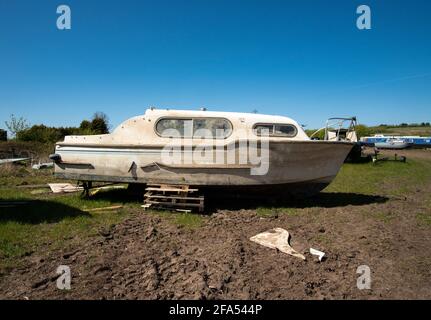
(186, 220)
(16, 175)
(414, 131)
(394, 177)
(189, 220)
(273, 211)
(47, 221)
(50, 221)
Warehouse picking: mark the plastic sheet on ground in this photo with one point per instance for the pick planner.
(277, 238)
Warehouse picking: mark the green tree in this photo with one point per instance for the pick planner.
(16, 125)
(363, 131)
(85, 128)
(85, 125)
(42, 133)
(100, 123)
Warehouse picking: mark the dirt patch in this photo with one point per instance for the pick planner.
(410, 153)
(147, 257)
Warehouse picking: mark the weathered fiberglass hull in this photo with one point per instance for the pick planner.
(308, 165)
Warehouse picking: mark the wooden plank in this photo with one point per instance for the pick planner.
(179, 204)
(173, 197)
(104, 208)
(169, 186)
(170, 189)
(183, 210)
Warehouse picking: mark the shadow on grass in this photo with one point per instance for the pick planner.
(118, 196)
(323, 199)
(231, 201)
(36, 211)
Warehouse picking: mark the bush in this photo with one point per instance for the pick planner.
(99, 125)
(45, 134)
(41, 133)
(320, 135)
(364, 131)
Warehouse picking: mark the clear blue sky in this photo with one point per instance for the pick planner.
(304, 59)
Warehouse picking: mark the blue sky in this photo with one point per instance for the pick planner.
(304, 59)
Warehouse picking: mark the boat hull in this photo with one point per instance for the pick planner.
(291, 165)
(392, 145)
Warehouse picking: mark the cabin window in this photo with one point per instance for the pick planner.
(264, 129)
(284, 130)
(196, 127)
(211, 127)
(174, 127)
(276, 130)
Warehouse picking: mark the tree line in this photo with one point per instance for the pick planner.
(21, 130)
(364, 131)
(422, 124)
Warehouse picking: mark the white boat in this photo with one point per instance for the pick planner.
(392, 144)
(205, 149)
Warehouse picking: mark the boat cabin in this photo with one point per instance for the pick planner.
(157, 126)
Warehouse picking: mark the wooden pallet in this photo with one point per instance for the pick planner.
(178, 197)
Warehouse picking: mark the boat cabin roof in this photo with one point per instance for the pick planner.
(145, 129)
(246, 117)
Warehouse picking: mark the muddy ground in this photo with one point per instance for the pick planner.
(148, 257)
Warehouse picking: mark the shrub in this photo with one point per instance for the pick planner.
(41, 133)
(46, 134)
(363, 131)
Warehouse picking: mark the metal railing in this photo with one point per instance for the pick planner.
(337, 125)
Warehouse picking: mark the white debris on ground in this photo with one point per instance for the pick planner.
(64, 187)
(277, 238)
(45, 165)
(318, 253)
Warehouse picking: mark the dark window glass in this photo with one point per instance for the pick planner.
(276, 130)
(284, 130)
(201, 127)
